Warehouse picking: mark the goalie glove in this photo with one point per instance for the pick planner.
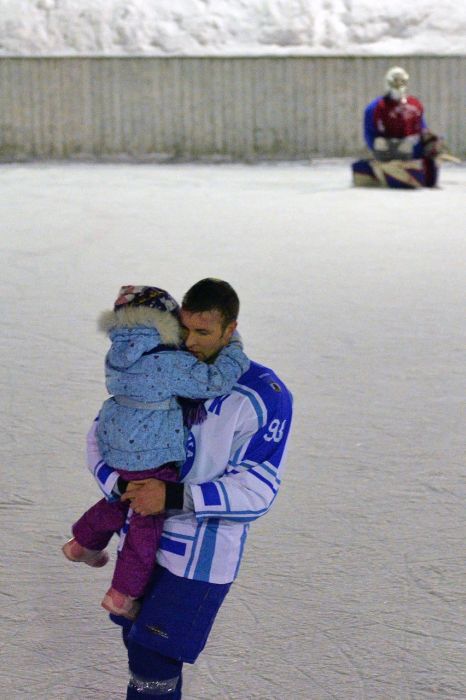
(396, 149)
(380, 143)
(432, 144)
(405, 147)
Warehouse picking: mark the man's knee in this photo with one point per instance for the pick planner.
(152, 675)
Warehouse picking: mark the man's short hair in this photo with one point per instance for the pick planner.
(212, 294)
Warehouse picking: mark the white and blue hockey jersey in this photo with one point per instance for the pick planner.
(232, 471)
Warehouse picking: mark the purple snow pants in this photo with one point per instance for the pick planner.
(136, 559)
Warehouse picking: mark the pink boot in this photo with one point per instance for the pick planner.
(76, 552)
(120, 604)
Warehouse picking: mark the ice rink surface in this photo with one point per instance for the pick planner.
(353, 586)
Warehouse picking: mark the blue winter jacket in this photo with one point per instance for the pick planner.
(141, 425)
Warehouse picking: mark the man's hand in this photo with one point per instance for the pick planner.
(147, 496)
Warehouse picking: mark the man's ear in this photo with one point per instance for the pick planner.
(229, 330)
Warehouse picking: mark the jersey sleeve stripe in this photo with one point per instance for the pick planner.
(258, 406)
(261, 478)
(178, 536)
(242, 543)
(206, 555)
(103, 471)
(215, 514)
(210, 494)
(106, 479)
(193, 551)
(172, 546)
(273, 471)
(225, 496)
(236, 457)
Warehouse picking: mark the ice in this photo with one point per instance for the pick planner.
(352, 587)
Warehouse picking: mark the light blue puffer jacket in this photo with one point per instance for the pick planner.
(141, 425)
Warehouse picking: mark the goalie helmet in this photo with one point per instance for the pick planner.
(396, 82)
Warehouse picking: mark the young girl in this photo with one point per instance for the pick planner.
(141, 429)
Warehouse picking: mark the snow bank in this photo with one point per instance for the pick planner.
(231, 27)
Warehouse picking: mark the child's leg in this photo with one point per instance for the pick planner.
(95, 528)
(136, 557)
(136, 560)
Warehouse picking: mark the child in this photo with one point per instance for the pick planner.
(141, 429)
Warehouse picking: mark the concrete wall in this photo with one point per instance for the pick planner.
(211, 108)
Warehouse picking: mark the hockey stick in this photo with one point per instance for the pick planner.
(448, 157)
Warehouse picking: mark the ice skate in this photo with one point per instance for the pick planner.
(76, 552)
(120, 604)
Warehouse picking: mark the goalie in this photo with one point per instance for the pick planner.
(395, 130)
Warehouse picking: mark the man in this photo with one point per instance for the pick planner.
(394, 123)
(395, 130)
(230, 478)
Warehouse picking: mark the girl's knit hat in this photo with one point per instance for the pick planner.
(152, 297)
(144, 306)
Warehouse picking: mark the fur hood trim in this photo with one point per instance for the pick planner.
(129, 317)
